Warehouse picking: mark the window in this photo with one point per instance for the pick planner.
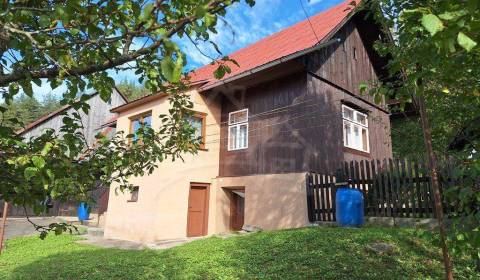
(238, 130)
(355, 53)
(197, 121)
(355, 129)
(138, 121)
(134, 195)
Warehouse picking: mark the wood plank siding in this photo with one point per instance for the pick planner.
(295, 121)
(337, 63)
(99, 114)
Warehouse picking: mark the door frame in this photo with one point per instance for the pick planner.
(207, 202)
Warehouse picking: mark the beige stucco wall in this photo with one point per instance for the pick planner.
(273, 201)
(161, 209)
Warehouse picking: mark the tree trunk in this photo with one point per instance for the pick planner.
(4, 222)
(432, 163)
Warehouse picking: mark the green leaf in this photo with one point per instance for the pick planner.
(147, 11)
(210, 19)
(219, 72)
(50, 174)
(48, 146)
(30, 172)
(465, 41)
(363, 87)
(432, 23)
(39, 162)
(171, 70)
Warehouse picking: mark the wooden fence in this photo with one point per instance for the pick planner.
(391, 188)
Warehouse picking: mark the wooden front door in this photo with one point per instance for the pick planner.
(197, 219)
(237, 209)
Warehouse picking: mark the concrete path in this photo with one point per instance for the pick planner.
(130, 245)
(111, 243)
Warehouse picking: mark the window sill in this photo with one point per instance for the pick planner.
(132, 200)
(203, 149)
(356, 152)
(237, 150)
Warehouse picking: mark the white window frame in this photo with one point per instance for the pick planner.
(237, 125)
(355, 123)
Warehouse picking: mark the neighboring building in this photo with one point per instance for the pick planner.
(292, 106)
(98, 115)
(93, 123)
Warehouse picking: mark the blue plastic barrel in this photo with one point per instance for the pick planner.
(349, 207)
(83, 211)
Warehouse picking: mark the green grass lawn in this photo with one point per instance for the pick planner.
(308, 253)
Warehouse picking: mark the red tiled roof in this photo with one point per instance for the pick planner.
(293, 39)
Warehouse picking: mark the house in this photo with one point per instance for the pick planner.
(292, 106)
(98, 119)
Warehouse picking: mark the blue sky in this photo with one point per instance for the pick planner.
(245, 26)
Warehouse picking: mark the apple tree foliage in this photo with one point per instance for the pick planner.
(79, 44)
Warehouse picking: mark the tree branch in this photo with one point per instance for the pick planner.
(20, 74)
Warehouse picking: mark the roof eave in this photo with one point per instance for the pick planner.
(271, 64)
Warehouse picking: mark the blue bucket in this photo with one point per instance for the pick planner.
(83, 211)
(349, 207)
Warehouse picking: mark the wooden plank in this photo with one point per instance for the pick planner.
(369, 187)
(418, 193)
(321, 197)
(381, 190)
(410, 186)
(374, 190)
(330, 199)
(404, 188)
(352, 175)
(391, 188)
(356, 175)
(363, 187)
(333, 193)
(395, 188)
(424, 190)
(386, 185)
(398, 189)
(346, 171)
